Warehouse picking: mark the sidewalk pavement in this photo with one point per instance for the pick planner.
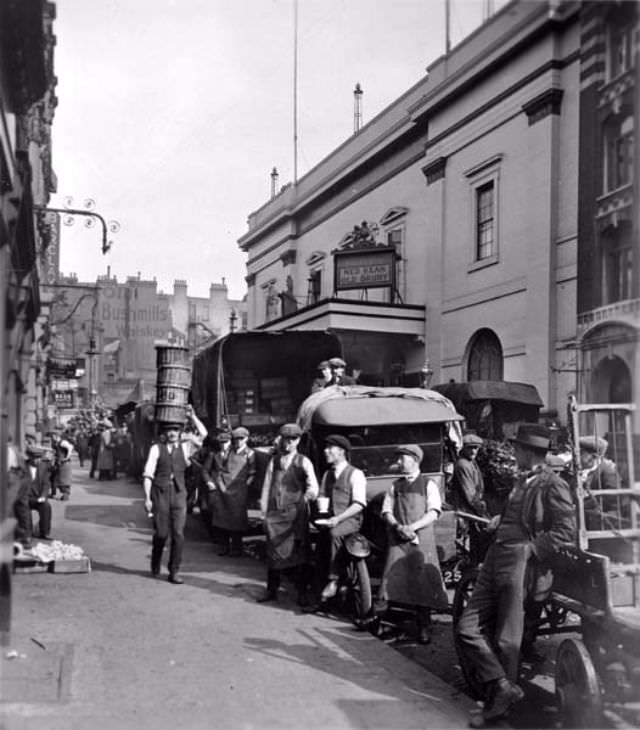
(116, 648)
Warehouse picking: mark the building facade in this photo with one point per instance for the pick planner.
(460, 199)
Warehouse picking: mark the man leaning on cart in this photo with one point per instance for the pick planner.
(539, 518)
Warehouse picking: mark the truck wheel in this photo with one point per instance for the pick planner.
(578, 691)
(360, 590)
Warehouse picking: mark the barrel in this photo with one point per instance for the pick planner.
(172, 383)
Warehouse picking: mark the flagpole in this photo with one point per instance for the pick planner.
(295, 91)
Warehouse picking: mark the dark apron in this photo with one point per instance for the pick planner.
(229, 509)
(286, 519)
(412, 572)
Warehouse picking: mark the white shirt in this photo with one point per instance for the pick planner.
(188, 449)
(358, 483)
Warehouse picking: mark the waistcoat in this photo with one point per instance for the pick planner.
(169, 465)
(339, 490)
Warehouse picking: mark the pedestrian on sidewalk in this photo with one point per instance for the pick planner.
(38, 477)
(61, 475)
(412, 573)
(290, 483)
(166, 493)
(230, 494)
(538, 519)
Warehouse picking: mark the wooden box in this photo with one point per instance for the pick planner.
(82, 565)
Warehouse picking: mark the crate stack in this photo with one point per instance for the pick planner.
(242, 398)
(274, 392)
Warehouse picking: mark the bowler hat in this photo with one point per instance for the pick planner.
(240, 433)
(533, 436)
(337, 362)
(410, 450)
(290, 430)
(472, 439)
(593, 444)
(335, 439)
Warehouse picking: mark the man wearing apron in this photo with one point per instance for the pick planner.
(289, 484)
(230, 492)
(412, 572)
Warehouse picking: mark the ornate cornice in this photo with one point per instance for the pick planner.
(541, 106)
(435, 170)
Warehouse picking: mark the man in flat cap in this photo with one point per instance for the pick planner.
(467, 490)
(412, 573)
(346, 488)
(290, 483)
(597, 472)
(235, 470)
(38, 476)
(165, 492)
(323, 378)
(539, 518)
(338, 375)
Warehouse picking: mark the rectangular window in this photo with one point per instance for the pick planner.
(485, 221)
(314, 292)
(619, 51)
(394, 238)
(620, 274)
(624, 160)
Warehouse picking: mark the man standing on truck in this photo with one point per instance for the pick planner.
(338, 375)
(290, 483)
(538, 519)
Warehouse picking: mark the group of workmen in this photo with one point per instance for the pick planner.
(515, 548)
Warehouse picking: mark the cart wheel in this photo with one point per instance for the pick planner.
(360, 592)
(577, 688)
(460, 599)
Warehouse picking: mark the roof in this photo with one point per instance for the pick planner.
(461, 393)
(362, 405)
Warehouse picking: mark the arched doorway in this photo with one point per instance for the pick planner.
(611, 381)
(485, 359)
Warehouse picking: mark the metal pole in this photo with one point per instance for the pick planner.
(447, 26)
(295, 91)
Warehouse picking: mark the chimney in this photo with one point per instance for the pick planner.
(357, 108)
(108, 272)
(274, 182)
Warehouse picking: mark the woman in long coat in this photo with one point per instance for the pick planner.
(412, 573)
(106, 463)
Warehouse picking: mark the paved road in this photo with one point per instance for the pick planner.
(117, 648)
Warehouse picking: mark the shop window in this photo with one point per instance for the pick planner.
(485, 359)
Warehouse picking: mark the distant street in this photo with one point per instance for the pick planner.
(117, 648)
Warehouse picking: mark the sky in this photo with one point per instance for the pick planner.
(172, 113)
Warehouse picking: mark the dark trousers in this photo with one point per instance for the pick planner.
(233, 537)
(44, 516)
(169, 517)
(301, 574)
(22, 513)
(490, 629)
(334, 546)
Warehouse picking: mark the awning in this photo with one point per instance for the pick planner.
(461, 393)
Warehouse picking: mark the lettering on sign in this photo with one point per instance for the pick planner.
(364, 269)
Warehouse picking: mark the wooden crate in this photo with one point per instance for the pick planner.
(82, 565)
(30, 566)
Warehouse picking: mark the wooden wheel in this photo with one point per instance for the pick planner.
(577, 687)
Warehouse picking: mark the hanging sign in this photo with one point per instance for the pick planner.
(365, 268)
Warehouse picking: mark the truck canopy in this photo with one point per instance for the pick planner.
(258, 379)
(511, 392)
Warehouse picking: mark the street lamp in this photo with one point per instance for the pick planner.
(426, 374)
(233, 318)
(90, 215)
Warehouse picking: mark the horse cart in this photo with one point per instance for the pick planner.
(594, 606)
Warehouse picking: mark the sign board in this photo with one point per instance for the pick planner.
(59, 367)
(52, 254)
(63, 398)
(365, 268)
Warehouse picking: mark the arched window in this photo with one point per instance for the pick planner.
(485, 357)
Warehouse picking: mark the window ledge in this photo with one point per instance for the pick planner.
(483, 263)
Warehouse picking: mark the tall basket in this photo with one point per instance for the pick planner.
(173, 383)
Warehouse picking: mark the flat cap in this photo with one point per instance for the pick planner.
(472, 439)
(594, 444)
(290, 430)
(323, 365)
(335, 439)
(411, 450)
(533, 436)
(240, 433)
(337, 362)
(223, 436)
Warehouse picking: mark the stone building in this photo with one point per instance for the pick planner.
(453, 233)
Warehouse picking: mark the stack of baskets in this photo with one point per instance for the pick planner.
(173, 383)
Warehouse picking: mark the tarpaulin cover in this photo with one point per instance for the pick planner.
(461, 393)
(292, 355)
(362, 405)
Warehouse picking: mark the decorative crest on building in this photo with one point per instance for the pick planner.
(362, 236)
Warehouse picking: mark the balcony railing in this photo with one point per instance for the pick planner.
(627, 311)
